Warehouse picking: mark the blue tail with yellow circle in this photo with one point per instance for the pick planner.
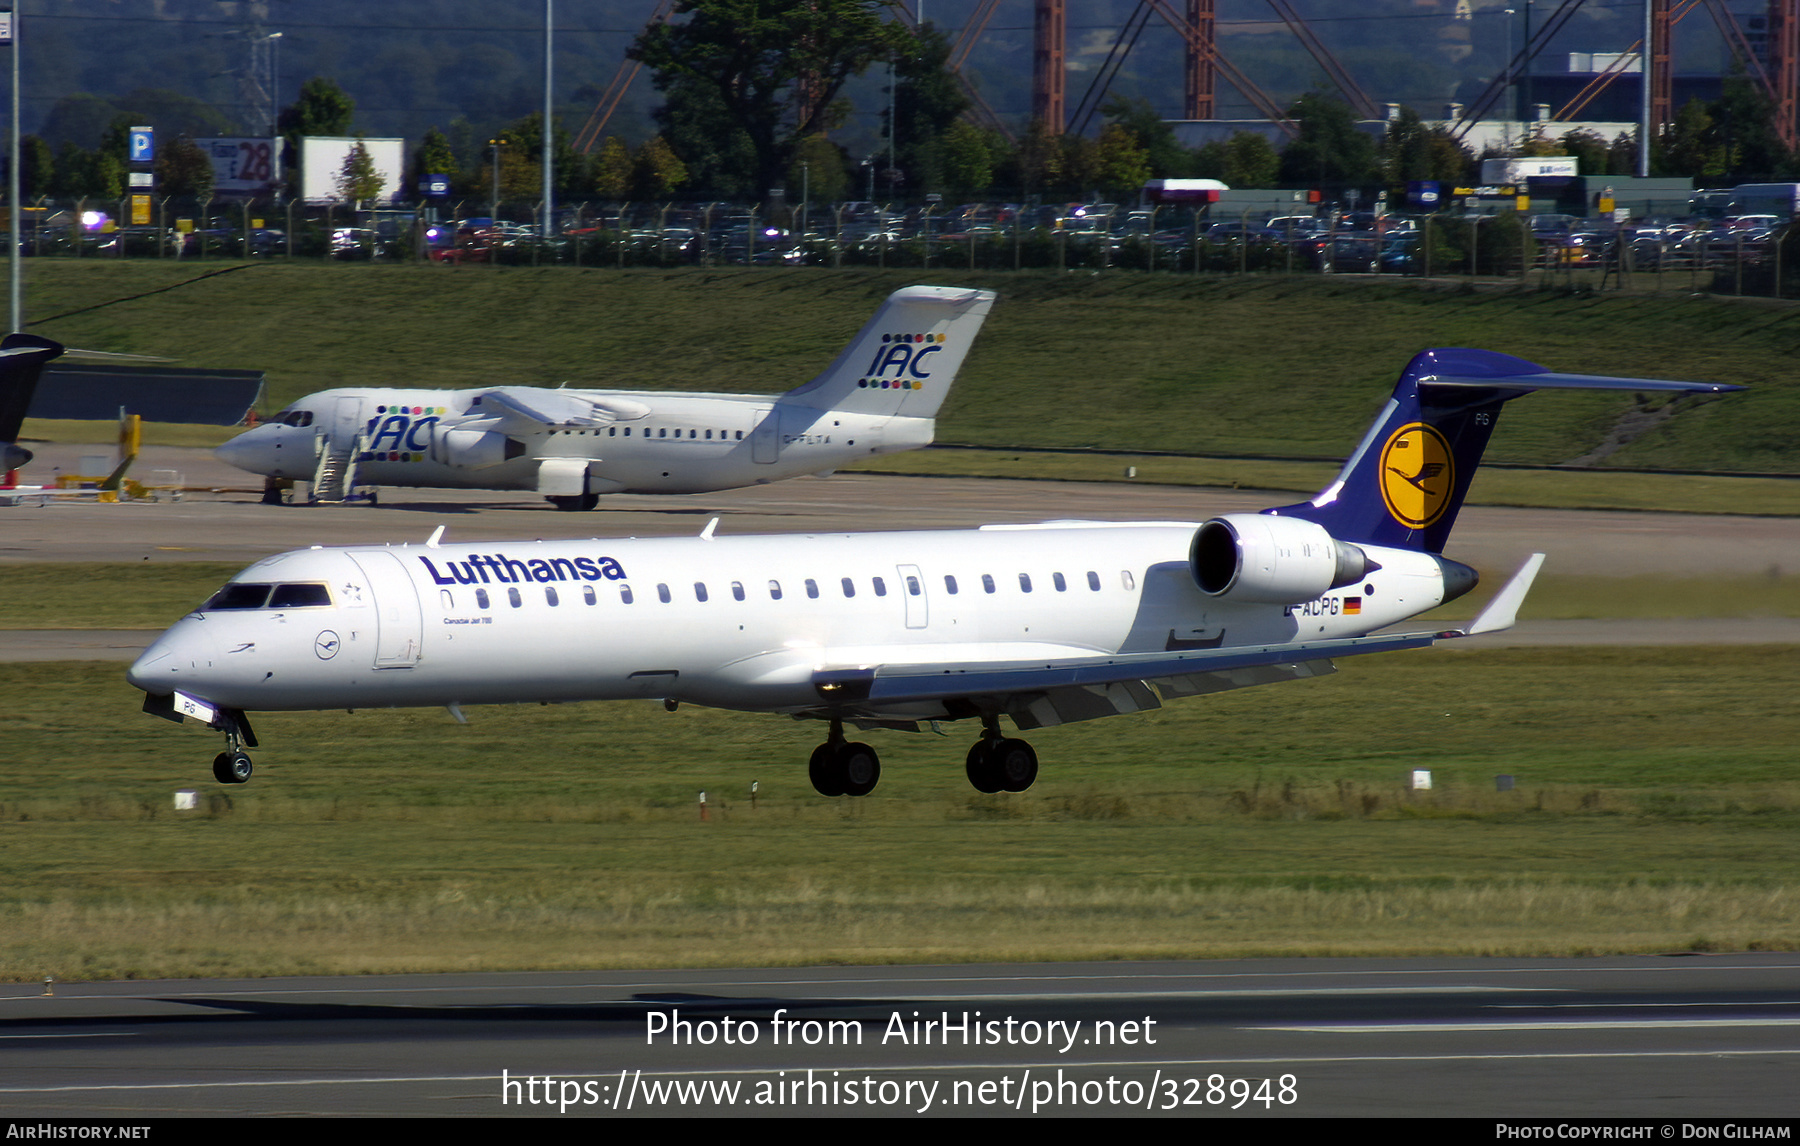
(1406, 482)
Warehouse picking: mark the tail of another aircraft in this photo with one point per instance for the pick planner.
(904, 360)
(1405, 483)
(22, 359)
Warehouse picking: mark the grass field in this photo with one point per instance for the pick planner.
(1272, 821)
(1257, 365)
(1655, 799)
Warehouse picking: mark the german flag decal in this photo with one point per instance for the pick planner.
(1417, 475)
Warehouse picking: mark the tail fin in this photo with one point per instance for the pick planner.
(1405, 483)
(22, 359)
(904, 360)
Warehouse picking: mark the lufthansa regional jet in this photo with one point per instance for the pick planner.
(1039, 624)
(880, 396)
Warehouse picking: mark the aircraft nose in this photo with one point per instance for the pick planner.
(172, 659)
(267, 450)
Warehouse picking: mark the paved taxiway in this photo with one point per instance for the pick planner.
(1640, 1037)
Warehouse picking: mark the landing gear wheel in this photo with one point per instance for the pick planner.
(569, 504)
(983, 769)
(859, 767)
(232, 767)
(1015, 764)
(844, 769)
(822, 769)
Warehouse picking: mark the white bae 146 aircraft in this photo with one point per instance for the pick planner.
(880, 396)
(1043, 624)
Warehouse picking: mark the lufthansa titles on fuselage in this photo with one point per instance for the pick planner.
(511, 571)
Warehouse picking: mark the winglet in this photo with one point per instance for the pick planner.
(437, 536)
(707, 533)
(1503, 610)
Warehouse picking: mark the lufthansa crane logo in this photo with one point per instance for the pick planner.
(1417, 475)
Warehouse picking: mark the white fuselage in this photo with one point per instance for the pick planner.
(730, 622)
(679, 443)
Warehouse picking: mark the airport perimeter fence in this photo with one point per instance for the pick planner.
(1165, 241)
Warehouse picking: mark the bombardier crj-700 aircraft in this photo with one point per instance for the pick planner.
(880, 396)
(1043, 624)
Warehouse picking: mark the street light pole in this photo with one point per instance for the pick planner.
(548, 190)
(494, 207)
(17, 318)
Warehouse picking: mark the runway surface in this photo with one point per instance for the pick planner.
(222, 520)
(1642, 1037)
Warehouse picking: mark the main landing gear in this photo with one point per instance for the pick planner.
(999, 763)
(996, 763)
(575, 503)
(841, 768)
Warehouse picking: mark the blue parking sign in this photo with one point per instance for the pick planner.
(143, 145)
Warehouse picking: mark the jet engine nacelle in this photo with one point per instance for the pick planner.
(1254, 557)
(478, 449)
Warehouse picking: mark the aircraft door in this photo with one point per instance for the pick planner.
(765, 435)
(912, 587)
(346, 421)
(399, 625)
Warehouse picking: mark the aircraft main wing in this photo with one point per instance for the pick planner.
(535, 407)
(1044, 692)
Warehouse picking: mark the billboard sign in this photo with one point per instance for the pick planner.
(243, 165)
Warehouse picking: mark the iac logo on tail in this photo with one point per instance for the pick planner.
(1417, 475)
(905, 354)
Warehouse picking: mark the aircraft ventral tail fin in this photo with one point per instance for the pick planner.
(1406, 481)
(904, 360)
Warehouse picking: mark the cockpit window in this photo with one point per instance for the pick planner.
(238, 596)
(299, 596)
(294, 418)
(250, 595)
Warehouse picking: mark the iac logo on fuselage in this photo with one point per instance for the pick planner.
(905, 355)
(401, 429)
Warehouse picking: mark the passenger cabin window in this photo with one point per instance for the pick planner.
(587, 595)
(987, 582)
(550, 596)
(481, 598)
(1024, 582)
(737, 590)
(446, 600)
(1126, 579)
(1093, 580)
(774, 590)
(949, 584)
(812, 588)
(513, 599)
(625, 594)
(913, 587)
(849, 587)
(1056, 579)
(699, 591)
(880, 586)
(662, 593)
